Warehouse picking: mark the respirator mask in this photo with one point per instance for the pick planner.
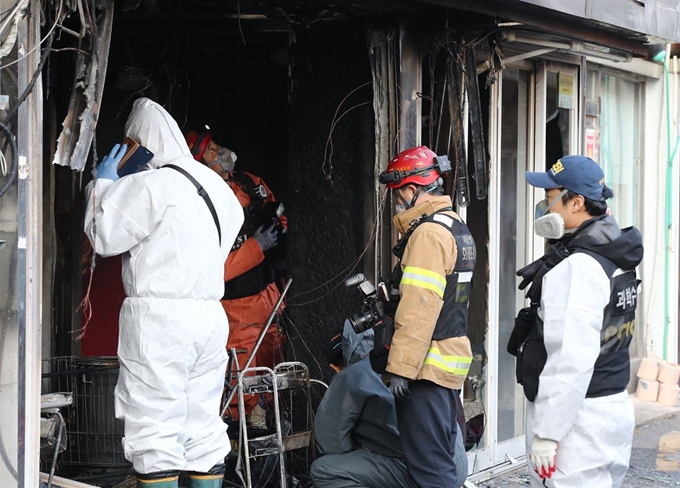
(226, 158)
(549, 225)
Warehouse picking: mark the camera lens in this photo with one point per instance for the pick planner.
(361, 322)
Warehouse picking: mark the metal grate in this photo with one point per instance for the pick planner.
(94, 433)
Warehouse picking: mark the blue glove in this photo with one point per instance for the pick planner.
(108, 168)
(399, 387)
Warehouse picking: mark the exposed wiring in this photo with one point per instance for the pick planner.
(329, 175)
(3, 164)
(86, 303)
(348, 269)
(329, 140)
(12, 112)
(15, 159)
(303, 343)
(136, 75)
(18, 13)
(29, 88)
(238, 12)
(5, 13)
(49, 33)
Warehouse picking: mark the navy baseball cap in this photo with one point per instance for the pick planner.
(579, 174)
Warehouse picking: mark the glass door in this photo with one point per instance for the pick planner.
(511, 145)
(558, 106)
(514, 226)
(533, 121)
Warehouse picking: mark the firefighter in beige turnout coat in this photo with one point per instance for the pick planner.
(430, 354)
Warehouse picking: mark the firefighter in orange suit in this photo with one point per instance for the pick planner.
(256, 259)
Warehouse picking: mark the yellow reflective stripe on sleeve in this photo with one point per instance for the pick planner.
(424, 278)
(451, 364)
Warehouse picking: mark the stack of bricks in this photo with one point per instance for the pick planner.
(658, 382)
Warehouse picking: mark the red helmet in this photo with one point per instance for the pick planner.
(417, 165)
(198, 143)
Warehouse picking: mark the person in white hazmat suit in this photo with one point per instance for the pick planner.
(173, 330)
(572, 342)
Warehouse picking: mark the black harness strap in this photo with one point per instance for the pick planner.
(204, 195)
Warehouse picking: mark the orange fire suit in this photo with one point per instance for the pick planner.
(247, 315)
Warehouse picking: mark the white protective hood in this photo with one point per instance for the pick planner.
(154, 128)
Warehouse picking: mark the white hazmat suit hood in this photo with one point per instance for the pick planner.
(173, 329)
(151, 126)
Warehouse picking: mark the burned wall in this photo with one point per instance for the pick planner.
(326, 214)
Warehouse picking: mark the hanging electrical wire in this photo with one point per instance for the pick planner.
(13, 111)
(86, 303)
(42, 41)
(3, 164)
(329, 141)
(15, 159)
(347, 271)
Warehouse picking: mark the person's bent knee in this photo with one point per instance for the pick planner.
(323, 470)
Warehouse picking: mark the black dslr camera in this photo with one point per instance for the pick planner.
(373, 309)
(373, 315)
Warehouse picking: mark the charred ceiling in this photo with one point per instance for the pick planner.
(289, 13)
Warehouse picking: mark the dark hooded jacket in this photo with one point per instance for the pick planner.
(619, 252)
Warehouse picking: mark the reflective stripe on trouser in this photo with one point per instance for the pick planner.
(427, 426)
(361, 468)
(172, 365)
(161, 479)
(212, 479)
(424, 278)
(596, 450)
(458, 365)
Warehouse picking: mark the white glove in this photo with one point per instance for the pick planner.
(543, 452)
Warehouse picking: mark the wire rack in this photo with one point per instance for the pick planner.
(94, 434)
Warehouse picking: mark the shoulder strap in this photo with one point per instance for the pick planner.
(247, 185)
(204, 195)
(398, 250)
(607, 264)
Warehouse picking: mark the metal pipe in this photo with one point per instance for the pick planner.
(511, 36)
(529, 55)
(66, 483)
(572, 46)
(83, 27)
(22, 268)
(56, 449)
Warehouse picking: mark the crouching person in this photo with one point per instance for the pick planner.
(356, 423)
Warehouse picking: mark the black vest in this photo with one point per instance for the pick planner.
(452, 321)
(258, 278)
(612, 367)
